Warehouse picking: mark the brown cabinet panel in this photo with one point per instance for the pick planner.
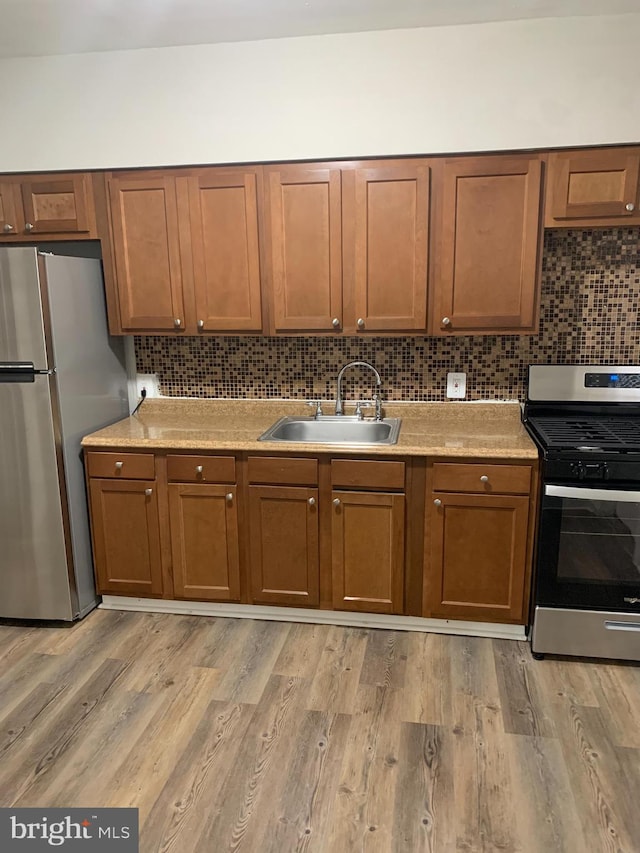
(9, 223)
(126, 537)
(283, 470)
(367, 473)
(488, 245)
(284, 545)
(146, 250)
(204, 542)
(201, 469)
(368, 551)
(56, 204)
(125, 466)
(391, 220)
(226, 261)
(587, 185)
(476, 552)
(305, 247)
(476, 477)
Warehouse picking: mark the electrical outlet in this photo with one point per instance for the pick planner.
(148, 381)
(456, 386)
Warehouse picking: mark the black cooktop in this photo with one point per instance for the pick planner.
(588, 434)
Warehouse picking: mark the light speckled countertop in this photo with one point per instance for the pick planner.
(486, 430)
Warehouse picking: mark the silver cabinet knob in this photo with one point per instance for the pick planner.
(28, 226)
(446, 321)
(336, 501)
(7, 228)
(335, 323)
(311, 501)
(438, 502)
(484, 479)
(201, 324)
(198, 469)
(177, 322)
(630, 206)
(148, 492)
(360, 323)
(119, 466)
(229, 497)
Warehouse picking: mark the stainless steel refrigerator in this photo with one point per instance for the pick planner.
(61, 376)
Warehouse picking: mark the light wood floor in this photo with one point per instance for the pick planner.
(238, 735)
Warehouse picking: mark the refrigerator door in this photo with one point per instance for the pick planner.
(34, 557)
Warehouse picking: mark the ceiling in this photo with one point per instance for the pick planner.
(45, 27)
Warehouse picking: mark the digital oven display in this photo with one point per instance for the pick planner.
(612, 380)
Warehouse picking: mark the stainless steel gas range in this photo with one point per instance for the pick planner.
(586, 422)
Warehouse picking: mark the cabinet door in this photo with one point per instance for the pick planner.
(226, 262)
(391, 215)
(56, 205)
(367, 548)
(8, 220)
(476, 550)
(284, 551)
(146, 251)
(488, 245)
(586, 185)
(305, 248)
(204, 542)
(126, 537)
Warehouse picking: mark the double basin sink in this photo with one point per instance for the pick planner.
(328, 429)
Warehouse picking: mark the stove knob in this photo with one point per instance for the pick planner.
(577, 469)
(605, 471)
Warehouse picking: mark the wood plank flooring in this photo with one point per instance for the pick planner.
(238, 735)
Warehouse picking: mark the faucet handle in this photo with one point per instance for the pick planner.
(363, 404)
(318, 407)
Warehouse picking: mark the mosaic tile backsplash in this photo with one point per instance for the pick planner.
(589, 314)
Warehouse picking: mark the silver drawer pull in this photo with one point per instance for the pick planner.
(229, 497)
(311, 501)
(484, 479)
(148, 492)
(201, 324)
(119, 466)
(438, 502)
(630, 206)
(336, 501)
(622, 626)
(199, 469)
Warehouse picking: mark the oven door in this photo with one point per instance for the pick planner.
(589, 548)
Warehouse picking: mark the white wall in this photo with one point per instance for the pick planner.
(543, 83)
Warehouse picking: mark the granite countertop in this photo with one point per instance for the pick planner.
(489, 430)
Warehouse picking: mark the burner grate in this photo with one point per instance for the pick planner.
(618, 434)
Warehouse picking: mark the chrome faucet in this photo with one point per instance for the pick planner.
(376, 398)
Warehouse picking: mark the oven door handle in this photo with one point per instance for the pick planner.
(587, 494)
(610, 625)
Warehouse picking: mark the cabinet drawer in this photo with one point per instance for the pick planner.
(368, 474)
(452, 477)
(128, 466)
(202, 469)
(284, 470)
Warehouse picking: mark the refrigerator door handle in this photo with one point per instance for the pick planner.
(21, 371)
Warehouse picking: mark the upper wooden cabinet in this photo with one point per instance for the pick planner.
(593, 187)
(386, 242)
(185, 252)
(147, 254)
(304, 247)
(57, 206)
(226, 260)
(487, 245)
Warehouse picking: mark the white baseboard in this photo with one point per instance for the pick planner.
(322, 617)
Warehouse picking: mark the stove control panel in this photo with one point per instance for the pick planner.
(612, 380)
(589, 470)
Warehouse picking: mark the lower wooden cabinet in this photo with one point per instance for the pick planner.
(477, 552)
(284, 545)
(126, 537)
(367, 546)
(204, 541)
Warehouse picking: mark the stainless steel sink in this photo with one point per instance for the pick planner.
(328, 429)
